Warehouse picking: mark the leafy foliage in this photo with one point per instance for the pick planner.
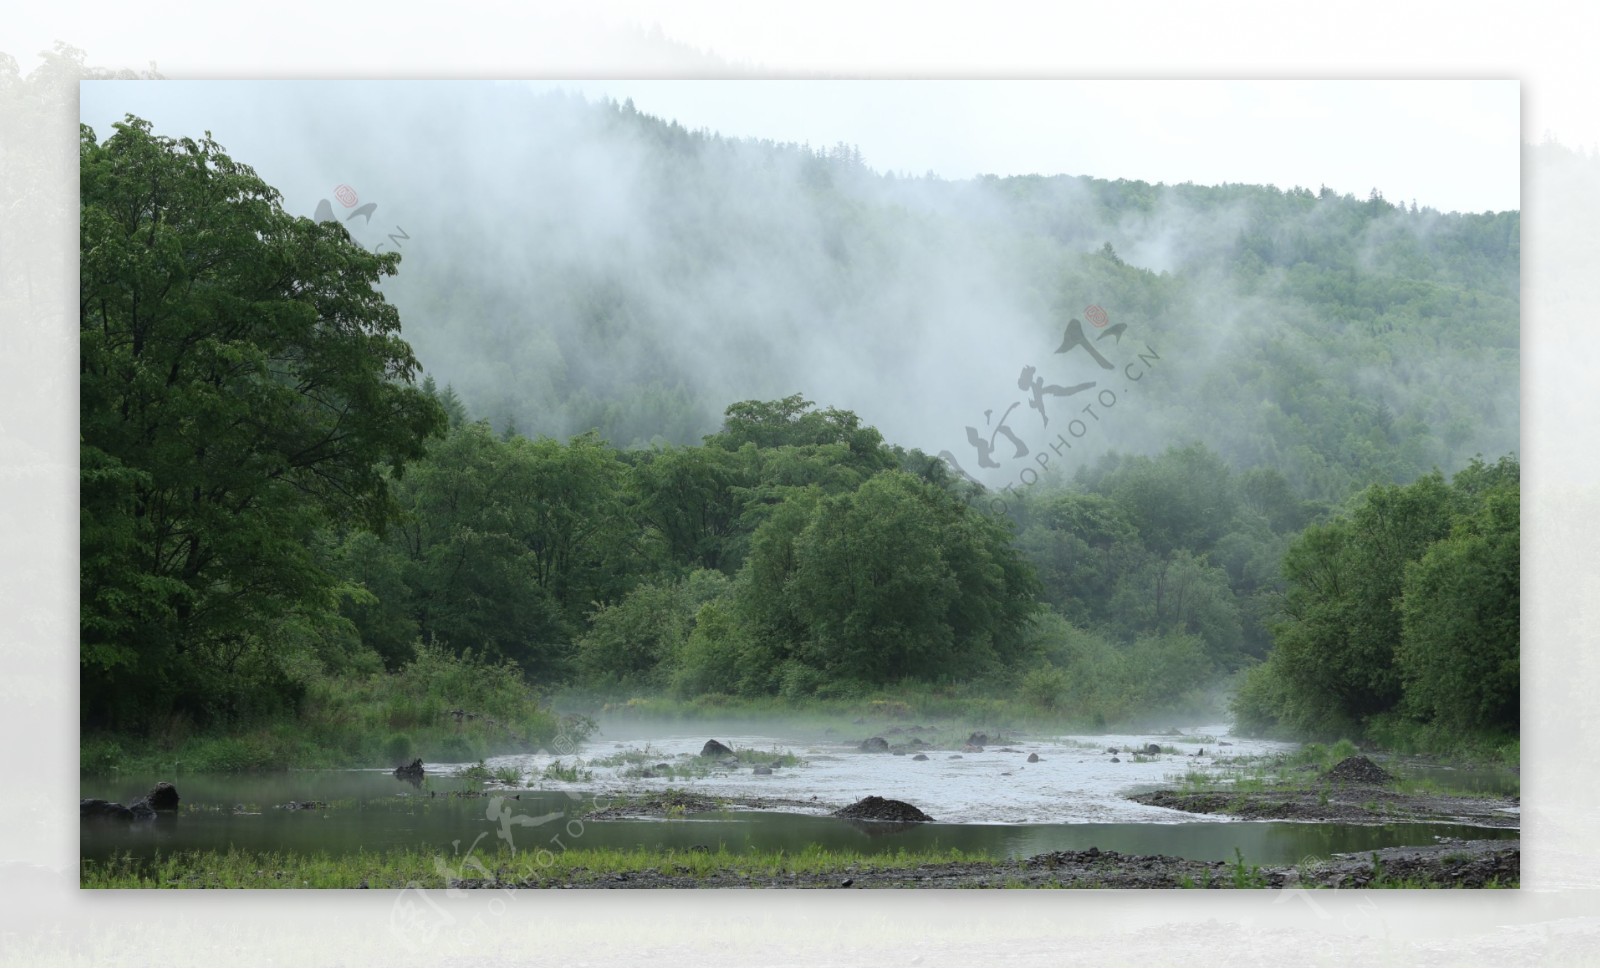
(243, 383)
(1407, 604)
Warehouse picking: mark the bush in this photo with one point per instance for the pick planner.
(99, 755)
(797, 681)
(454, 750)
(890, 709)
(398, 749)
(1045, 688)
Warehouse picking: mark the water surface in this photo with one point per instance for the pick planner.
(994, 801)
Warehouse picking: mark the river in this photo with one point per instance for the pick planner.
(993, 801)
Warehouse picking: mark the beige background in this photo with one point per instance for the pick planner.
(44, 919)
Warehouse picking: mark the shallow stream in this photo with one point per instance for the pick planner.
(992, 801)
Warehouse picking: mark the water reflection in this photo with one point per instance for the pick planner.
(368, 811)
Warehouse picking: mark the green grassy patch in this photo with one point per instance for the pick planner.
(439, 707)
(238, 868)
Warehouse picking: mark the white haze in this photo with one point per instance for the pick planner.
(511, 196)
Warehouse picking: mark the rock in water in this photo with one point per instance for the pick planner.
(1152, 749)
(411, 770)
(762, 769)
(1033, 758)
(875, 808)
(978, 739)
(874, 745)
(920, 757)
(94, 809)
(715, 749)
(163, 797)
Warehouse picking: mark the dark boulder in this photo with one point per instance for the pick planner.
(874, 745)
(978, 739)
(715, 749)
(162, 797)
(762, 769)
(876, 808)
(412, 770)
(1116, 760)
(920, 757)
(1033, 758)
(1152, 749)
(95, 809)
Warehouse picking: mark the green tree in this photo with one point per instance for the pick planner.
(243, 383)
(1184, 498)
(899, 580)
(1335, 647)
(687, 495)
(1460, 654)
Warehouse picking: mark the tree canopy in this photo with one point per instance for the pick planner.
(243, 384)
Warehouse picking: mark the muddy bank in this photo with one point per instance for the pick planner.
(1468, 864)
(1353, 804)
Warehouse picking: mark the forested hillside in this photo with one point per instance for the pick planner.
(666, 418)
(614, 272)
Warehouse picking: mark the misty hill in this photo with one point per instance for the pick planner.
(572, 266)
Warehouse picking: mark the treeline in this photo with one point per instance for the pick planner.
(276, 519)
(1344, 341)
(1401, 616)
(792, 552)
(797, 554)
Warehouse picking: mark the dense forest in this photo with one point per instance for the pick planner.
(585, 465)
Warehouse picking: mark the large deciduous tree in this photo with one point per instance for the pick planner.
(243, 383)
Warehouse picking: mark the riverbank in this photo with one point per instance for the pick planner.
(1351, 804)
(1468, 864)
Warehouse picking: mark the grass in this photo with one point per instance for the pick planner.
(1462, 746)
(241, 868)
(572, 774)
(353, 720)
(1246, 876)
(477, 772)
(636, 762)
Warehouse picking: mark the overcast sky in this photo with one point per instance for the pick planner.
(1451, 145)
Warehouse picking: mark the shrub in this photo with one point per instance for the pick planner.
(454, 749)
(1044, 688)
(398, 748)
